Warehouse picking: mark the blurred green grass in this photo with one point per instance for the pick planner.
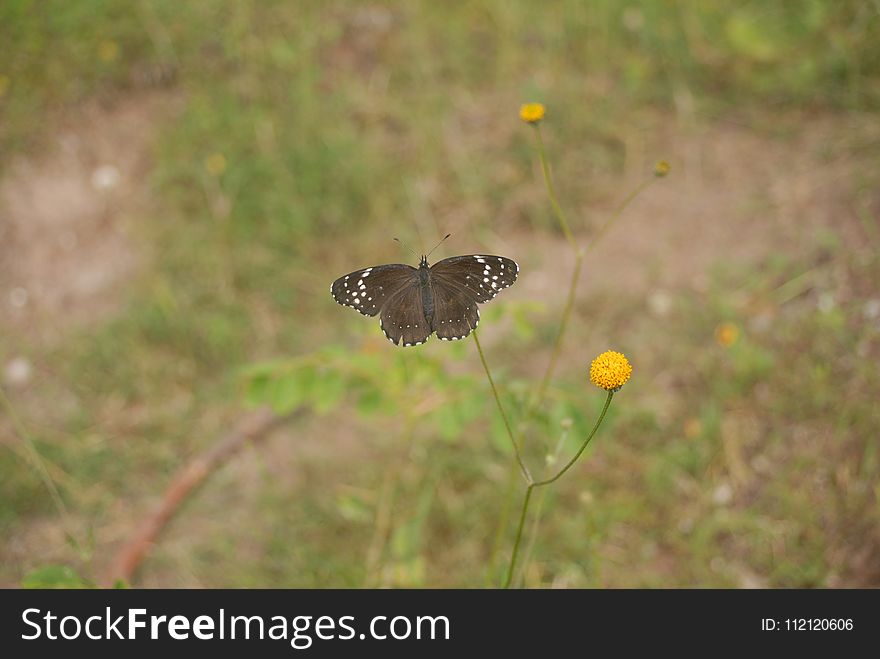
(340, 126)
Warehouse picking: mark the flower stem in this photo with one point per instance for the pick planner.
(503, 518)
(575, 278)
(619, 210)
(536, 400)
(541, 391)
(522, 465)
(574, 459)
(551, 191)
(563, 327)
(533, 484)
(519, 530)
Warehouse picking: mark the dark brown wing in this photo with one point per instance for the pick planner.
(483, 275)
(368, 289)
(403, 317)
(455, 310)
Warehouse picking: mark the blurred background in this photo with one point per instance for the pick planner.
(180, 183)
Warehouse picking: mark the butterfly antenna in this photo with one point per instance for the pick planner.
(399, 242)
(438, 245)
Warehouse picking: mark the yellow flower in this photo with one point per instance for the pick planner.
(215, 164)
(531, 113)
(108, 51)
(726, 334)
(610, 370)
(662, 168)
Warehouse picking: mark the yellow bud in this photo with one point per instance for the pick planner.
(531, 113)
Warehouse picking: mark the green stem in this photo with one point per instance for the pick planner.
(538, 399)
(557, 347)
(579, 258)
(522, 465)
(619, 210)
(554, 202)
(563, 327)
(542, 498)
(503, 518)
(571, 462)
(519, 530)
(533, 484)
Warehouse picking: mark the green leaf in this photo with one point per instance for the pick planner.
(257, 390)
(328, 389)
(287, 392)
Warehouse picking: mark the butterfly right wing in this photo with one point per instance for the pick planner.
(368, 289)
(484, 276)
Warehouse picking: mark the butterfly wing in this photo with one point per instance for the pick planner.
(455, 311)
(483, 276)
(455, 286)
(366, 290)
(403, 317)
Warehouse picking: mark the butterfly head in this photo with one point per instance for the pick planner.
(423, 263)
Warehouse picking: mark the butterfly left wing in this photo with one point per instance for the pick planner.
(483, 276)
(366, 290)
(403, 317)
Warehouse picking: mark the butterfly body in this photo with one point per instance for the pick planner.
(413, 303)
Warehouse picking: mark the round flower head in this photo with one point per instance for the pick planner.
(662, 168)
(610, 370)
(531, 113)
(726, 334)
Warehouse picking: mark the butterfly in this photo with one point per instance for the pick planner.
(413, 303)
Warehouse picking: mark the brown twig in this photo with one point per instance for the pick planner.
(252, 429)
